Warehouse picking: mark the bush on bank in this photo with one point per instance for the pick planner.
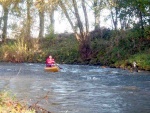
(64, 50)
(122, 49)
(118, 49)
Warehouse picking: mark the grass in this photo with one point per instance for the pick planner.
(8, 104)
(142, 59)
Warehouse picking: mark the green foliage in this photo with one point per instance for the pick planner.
(130, 9)
(147, 32)
(64, 50)
(99, 48)
(103, 33)
(122, 46)
(142, 59)
(120, 50)
(50, 36)
(35, 50)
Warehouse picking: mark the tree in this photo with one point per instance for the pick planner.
(43, 6)
(97, 6)
(82, 33)
(114, 9)
(41, 24)
(1, 19)
(52, 21)
(128, 10)
(40, 5)
(140, 9)
(6, 7)
(28, 22)
(50, 7)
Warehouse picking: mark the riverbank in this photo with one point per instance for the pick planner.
(8, 104)
(112, 51)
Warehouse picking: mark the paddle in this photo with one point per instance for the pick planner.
(58, 66)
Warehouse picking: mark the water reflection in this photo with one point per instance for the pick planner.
(78, 88)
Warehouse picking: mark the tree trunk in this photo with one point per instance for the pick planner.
(114, 16)
(52, 21)
(28, 28)
(84, 47)
(41, 17)
(96, 14)
(97, 21)
(82, 36)
(142, 24)
(79, 23)
(1, 22)
(85, 17)
(140, 8)
(5, 19)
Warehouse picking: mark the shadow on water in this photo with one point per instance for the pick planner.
(78, 88)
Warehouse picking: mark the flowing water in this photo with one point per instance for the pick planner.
(78, 88)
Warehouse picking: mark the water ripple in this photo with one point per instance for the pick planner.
(78, 88)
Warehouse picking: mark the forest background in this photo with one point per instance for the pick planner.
(124, 41)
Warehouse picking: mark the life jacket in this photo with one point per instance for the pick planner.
(50, 61)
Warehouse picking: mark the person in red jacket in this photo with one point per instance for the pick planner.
(50, 61)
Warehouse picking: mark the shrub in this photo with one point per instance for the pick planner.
(9, 104)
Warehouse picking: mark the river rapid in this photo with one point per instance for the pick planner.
(78, 88)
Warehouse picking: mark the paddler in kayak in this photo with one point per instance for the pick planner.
(50, 61)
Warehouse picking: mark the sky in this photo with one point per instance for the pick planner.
(61, 23)
(62, 26)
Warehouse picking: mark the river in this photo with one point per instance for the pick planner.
(78, 88)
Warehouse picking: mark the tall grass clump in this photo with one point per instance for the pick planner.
(22, 50)
(8, 104)
(142, 59)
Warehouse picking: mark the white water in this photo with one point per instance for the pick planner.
(78, 88)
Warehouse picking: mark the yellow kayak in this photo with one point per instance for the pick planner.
(52, 69)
